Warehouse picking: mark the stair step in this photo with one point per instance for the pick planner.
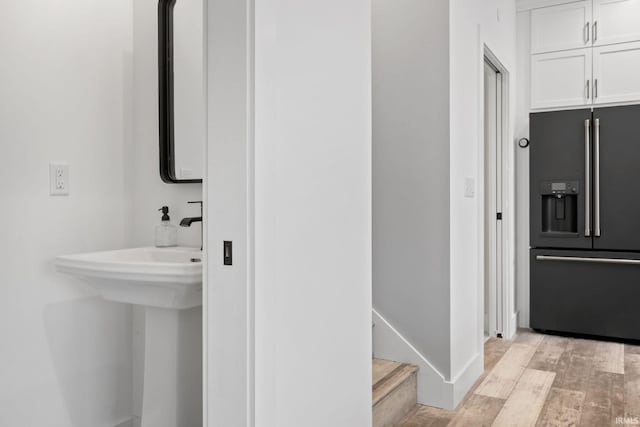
(394, 391)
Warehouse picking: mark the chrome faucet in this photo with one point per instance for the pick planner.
(186, 222)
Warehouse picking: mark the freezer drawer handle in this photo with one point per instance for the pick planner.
(590, 260)
(587, 179)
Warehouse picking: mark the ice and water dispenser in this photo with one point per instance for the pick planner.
(559, 206)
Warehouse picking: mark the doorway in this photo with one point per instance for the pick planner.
(493, 201)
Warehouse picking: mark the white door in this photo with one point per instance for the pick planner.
(493, 200)
(561, 27)
(561, 79)
(615, 21)
(616, 73)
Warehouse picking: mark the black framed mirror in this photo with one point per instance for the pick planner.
(181, 90)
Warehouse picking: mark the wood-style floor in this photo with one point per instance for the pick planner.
(547, 380)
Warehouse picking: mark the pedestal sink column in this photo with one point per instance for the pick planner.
(172, 368)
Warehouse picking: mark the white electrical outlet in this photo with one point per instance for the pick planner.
(58, 179)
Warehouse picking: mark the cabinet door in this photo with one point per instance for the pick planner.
(561, 79)
(562, 27)
(616, 73)
(615, 21)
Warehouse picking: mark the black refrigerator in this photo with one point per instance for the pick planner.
(585, 221)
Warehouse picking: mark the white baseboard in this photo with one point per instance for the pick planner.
(463, 382)
(433, 388)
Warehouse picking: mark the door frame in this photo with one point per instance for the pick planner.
(493, 277)
(505, 293)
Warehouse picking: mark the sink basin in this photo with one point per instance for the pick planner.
(155, 277)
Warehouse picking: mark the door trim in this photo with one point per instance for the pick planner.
(505, 306)
(493, 226)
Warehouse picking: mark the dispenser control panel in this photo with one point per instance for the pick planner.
(559, 187)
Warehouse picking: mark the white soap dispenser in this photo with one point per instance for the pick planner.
(166, 234)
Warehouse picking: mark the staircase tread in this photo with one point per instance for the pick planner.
(388, 375)
(381, 368)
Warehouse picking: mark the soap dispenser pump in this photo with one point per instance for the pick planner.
(166, 233)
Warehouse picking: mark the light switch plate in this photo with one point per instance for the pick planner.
(469, 187)
(58, 179)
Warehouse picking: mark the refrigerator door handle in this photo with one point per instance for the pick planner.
(587, 179)
(596, 179)
(589, 260)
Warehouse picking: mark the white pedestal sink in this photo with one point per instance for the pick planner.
(168, 282)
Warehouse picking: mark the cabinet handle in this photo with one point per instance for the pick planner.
(595, 31)
(588, 31)
(595, 89)
(591, 260)
(588, 89)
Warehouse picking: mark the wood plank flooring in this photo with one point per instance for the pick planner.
(547, 380)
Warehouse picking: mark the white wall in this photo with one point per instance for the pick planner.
(65, 79)
(473, 24)
(522, 168)
(411, 172)
(313, 213)
(296, 202)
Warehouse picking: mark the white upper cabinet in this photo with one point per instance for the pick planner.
(561, 27)
(615, 21)
(616, 73)
(584, 53)
(561, 79)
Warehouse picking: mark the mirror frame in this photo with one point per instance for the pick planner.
(165, 94)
